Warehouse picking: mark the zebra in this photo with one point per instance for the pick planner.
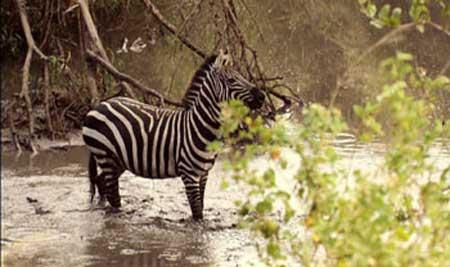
(152, 142)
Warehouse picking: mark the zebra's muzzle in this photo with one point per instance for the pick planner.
(257, 99)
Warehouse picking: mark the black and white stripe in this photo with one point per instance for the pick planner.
(125, 134)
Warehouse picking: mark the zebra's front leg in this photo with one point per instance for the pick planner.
(192, 185)
(100, 183)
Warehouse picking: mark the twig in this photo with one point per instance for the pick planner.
(128, 90)
(439, 27)
(70, 9)
(46, 100)
(195, 9)
(252, 16)
(124, 77)
(343, 78)
(445, 68)
(171, 28)
(382, 41)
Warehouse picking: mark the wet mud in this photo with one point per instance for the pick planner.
(47, 219)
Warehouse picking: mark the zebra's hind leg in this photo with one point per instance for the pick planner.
(112, 189)
(192, 186)
(100, 183)
(203, 181)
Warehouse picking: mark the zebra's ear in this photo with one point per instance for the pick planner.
(223, 60)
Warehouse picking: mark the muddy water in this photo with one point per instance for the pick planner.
(47, 220)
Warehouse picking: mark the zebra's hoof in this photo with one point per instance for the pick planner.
(197, 218)
(113, 210)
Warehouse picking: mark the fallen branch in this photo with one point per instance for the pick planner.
(126, 78)
(172, 29)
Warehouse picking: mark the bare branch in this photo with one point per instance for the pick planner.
(439, 28)
(25, 93)
(91, 28)
(27, 29)
(194, 10)
(171, 28)
(383, 41)
(124, 77)
(445, 68)
(97, 45)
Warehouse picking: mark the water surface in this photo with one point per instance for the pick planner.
(47, 219)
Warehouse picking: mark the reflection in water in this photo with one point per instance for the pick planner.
(120, 243)
(48, 162)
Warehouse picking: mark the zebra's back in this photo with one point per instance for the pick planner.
(140, 138)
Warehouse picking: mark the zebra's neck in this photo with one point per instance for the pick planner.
(203, 119)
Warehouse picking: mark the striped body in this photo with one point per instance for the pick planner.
(149, 141)
(125, 134)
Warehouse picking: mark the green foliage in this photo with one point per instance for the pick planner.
(386, 16)
(397, 215)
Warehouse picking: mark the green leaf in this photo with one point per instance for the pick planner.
(396, 16)
(384, 12)
(269, 228)
(273, 249)
(371, 10)
(404, 56)
(264, 206)
(440, 82)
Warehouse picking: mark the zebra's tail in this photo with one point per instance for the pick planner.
(92, 170)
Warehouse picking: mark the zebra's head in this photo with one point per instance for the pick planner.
(233, 85)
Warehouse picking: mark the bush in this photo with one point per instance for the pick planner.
(397, 214)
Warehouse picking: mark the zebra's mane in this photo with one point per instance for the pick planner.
(196, 81)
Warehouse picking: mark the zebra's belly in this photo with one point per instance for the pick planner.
(160, 175)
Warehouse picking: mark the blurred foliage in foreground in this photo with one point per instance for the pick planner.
(397, 215)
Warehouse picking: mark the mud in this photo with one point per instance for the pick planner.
(47, 220)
